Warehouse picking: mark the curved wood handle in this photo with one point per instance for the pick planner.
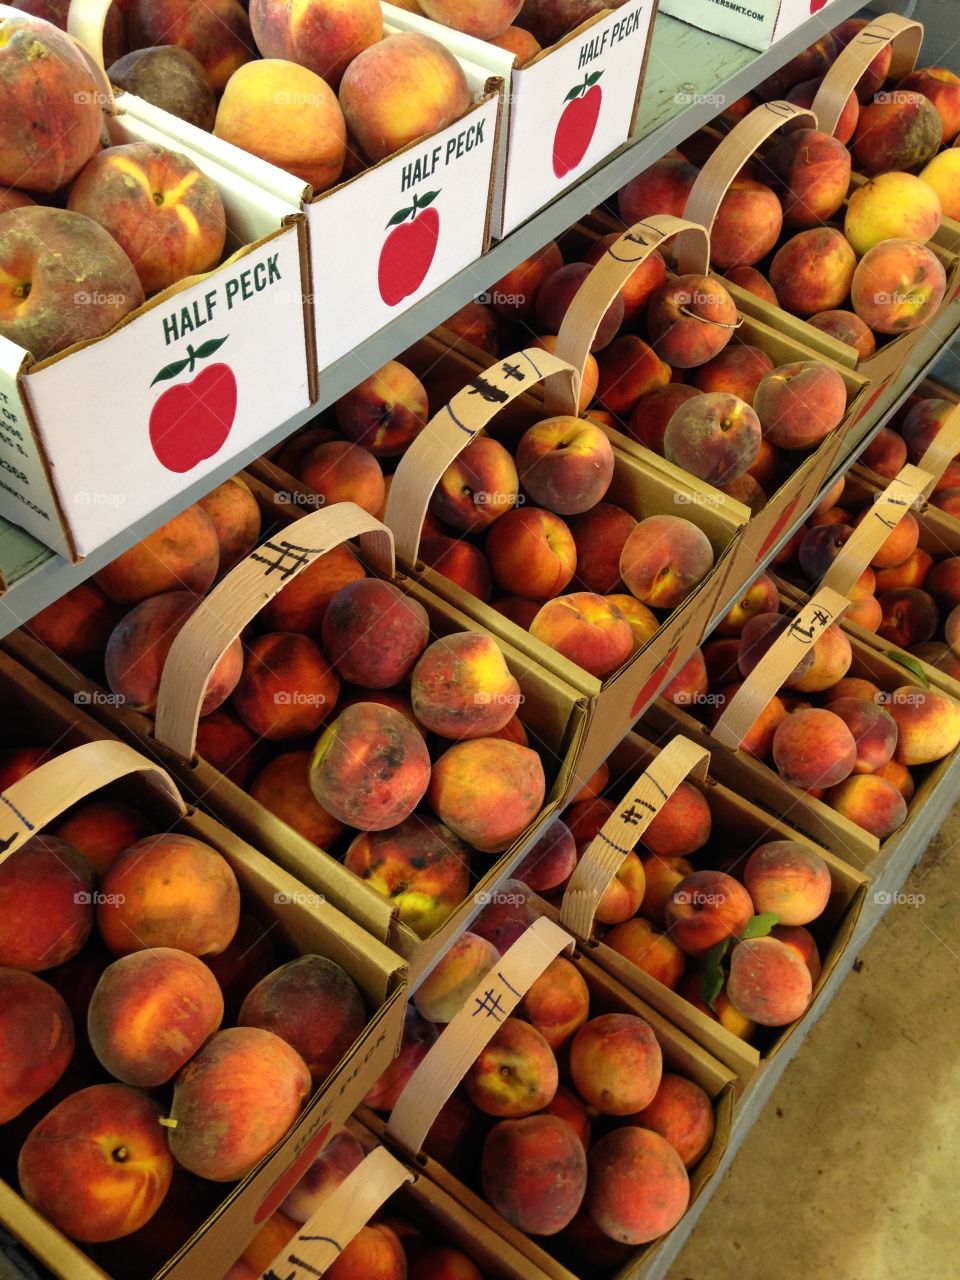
(221, 616)
(904, 36)
(942, 449)
(85, 23)
(907, 490)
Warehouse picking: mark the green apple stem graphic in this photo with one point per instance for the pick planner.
(205, 350)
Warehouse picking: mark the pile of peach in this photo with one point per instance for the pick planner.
(907, 438)
(85, 233)
(837, 737)
(345, 718)
(598, 1162)
(164, 1042)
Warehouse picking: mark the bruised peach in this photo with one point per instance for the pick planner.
(182, 555)
(813, 271)
(36, 1040)
(897, 286)
(166, 76)
(515, 1075)
(846, 327)
(638, 1187)
(462, 688)
(654, 953)
(663, 559)
(487, 791)
(534, 1173)
(682, 1113)
(218, 35)
(45, 904)
(616, 1063)
(871, 802)
(283, 788)
(769, 983)
(900, 130)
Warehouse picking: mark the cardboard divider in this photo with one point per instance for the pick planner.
(299, 923)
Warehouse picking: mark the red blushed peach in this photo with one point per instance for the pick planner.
(324, 38)
(723, 1012)
(663, 560)
(922, 424)
(898, 285)
(900, 130)
(534, 1173)
(371, 767)
(801, 940)
(385, 412)
(459, 561)
(462, 687)
(182, 555)
(815, 60)
(287, 689)
(515, 1075)
(627, 370)
(337, 1161)
(226, 1119)
(419, 865)
(643, 622)
(886, 454)
(682, 826)
(690, 683)
(750, 279)
(372, 633)
(314, 1005)
(899, 776)
(487, 791)
(418, 1036)
(720, 659)
(943, 582)
(477, 325)
(565, 464)
(655, 953)
(36, 1040)
(832, 657)
(813, 272)
(948, 500)
(872, 803)
(715, 437)
(638, 1187)
(344, 472)
(747, 225)
(661, 875)
(521, 612)
(769, 982)
(375, 1252)
(846, 327)
(439, 1262)
(478, 487)
(509, 915)
(78, 625)
(483, 21)
(599, 536)
(101, 830)
(928, 724)
(595, 785)
(235, 515)
(853, 687)
(942, 88)
(45, 911)
(803, 94)
(219, 37)
(759, 739)
(799, 404)
(704, 909)
(812, 170)
(760, 597)
(890, 206)
(586, 628)
(586, 817)
(514, 295)
(444, 991)
(623, 895)
(559, 290)
(616, 1064)
(900, 543)
(283, 788)
(682, 1113)
(648, 276)
(737, 370)
(107, 1140)
(789, 879)
(873, 728)
(690, 320)
(551, 861)
(566, 1106)
(652, 413)
(169, 891)
(814, 749)
(910, 617)
(876, 74)
(821, 545)
(663, 188)
(150, 1013)
(301, 604)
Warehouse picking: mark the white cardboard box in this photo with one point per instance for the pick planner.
(756, 23)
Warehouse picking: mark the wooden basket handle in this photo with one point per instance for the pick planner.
(85, 23)
(490, 1003)
(623, 829)
(222, 615)
(341, 1217)
(903, 35)
(905, 491)
(30, 804)
(451, 430)
(767, 677)
(943, 448)
(721, 168)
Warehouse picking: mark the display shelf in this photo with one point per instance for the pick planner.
(690, 76)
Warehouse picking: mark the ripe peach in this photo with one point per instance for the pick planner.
(520, 611)
(648, 276)
(876, 74)
(101, 830)
(815, 60)
(655, 953)
(813, 271)
(565, 464)
(534, 1173)
(169, 77)
(616, 1063)
(586, 817)
(559, 290)
(638, 1188)
(476, 324)
(943, 582)
(663, 560)
(301, 604)
(886, 454)
(759, 597)
(803, 94)
(682, 1113)
(461, 562)
(922, 424)
(759, 634)
(854, 687)
(623, 895)
(589, 378)
(586, 628)
(948, 500)
(891, 206)
(928, 724)
(218, 36)
(343, 472)
(182, 555)
(789, 879)
(418, 1036)
(873, 728)
(105, 1140)
(283, 788)
(682, 826)
(627, 370)
(551, 861)
(832, 657)
(234, 1101)
(846, 327)
(750, 279)
(715, 437)
(515, 1075)
(720, 658)
(374, 1253)
(373, 634)
(769, 982)
(386, 411)
(690, 320)
(595, 785)
(462, 687)
(652, 413)
(440, 995)
(800, 403)
(898, 285)
(910, 617)
(899, 776)
(689, 683)
(724, 1012)
(747, 225)
(747, 491)
(813, 174)
(439, 1262)
(485, 21)
(900, 543)
(248, 958)
(566, 1106)
(643, 622)
(78, 625)
(36, 1040)
(478, 487)
(323, 37)
(235, 515)
(738, 369)
(45, 904)
(802, 941)
(942, 176)
(899, 130)
(663, 188)
(814, 748)
(337, 1161)
(871, 802)
(287, 688)
(599, 536)
(704, 909)
(514, 295)
(488, 791)
(662, 875)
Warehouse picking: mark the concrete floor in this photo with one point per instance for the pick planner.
(851, 1172)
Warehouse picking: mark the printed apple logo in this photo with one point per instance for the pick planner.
(191, 421)
(408, 250)
(577, 124)
(817, 5)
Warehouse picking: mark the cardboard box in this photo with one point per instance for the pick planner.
(594, 74)
(229, 352)
(553, 712)
(300, 922)
(373, 253)
(757, 25)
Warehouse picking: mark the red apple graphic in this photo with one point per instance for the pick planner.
(817, 5)
(408, 250)
(191, 421)
(577, 124)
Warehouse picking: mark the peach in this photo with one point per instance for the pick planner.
(623, 895)
(643, 622)
(788, 879)
(846, 327)
(853, 687)
(648, 276)
(815, 60)
(747, 224)
(943, 582)
(832, 657)
(45, 904)
(565, 464)
(888, 207)
(519, 611)
(616, 1063)
(899, 130)
(820, 546)
(800, 403)
(182, 555)
(886, 454)
(898, 285)
(928, 724)
(812, 170)
(747, 491)
(534, 1173)
(913, 572)
(287, 688)
(150, 1013)
(876, 74)
(485, 21)
(871, 802)
(460, 562)
(234, 1102)
(751, 280)
(814, 748)
(720, 658)
(652, 413)
(43, 63)
(164, 213)
(477, 325)
(418, 1036)
(942, 88)
(690, 683)
(559, 290)
(374, 1253)
(705, 908)
(760, 596)
(682, 1113)
(515, 1075)
(922, 424)
(759, 634)
(723, 1012)
(628, 369)
(910, 617)
(589, 379)
(714, 437)
(324, 37)
(662, 188)
(738, 370)
(283, 788)
(948, 500)
(514, 295)
(478, 487)
(439, 1262)
(873, 728)
(36, 1040)
(638, 1188)
(462, 688)
(661, 876)
(586, 628)
(586, 817)
(169, 77)
(302, 603)
(900, 543)
(248, 958)
(655, 953)
(77, 626)
(342, 472)
(813, 271)
(107, 1141)
(899, 776)
(769, 982)
(235, 515)
(802, 941)
(942, 176)
(595, 785)
(385, 412)
(599, 536)
(373, 634)
(682, 826)
(487, 791)
(218, 36)
(551, 861)
(101, 830)
(803, 94)
(690, 320)
(566, 1106)
(444, 991)
(336, 1161)
(663, 559)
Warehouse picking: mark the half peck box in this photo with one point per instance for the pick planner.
(299, 922)
(758, 25)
